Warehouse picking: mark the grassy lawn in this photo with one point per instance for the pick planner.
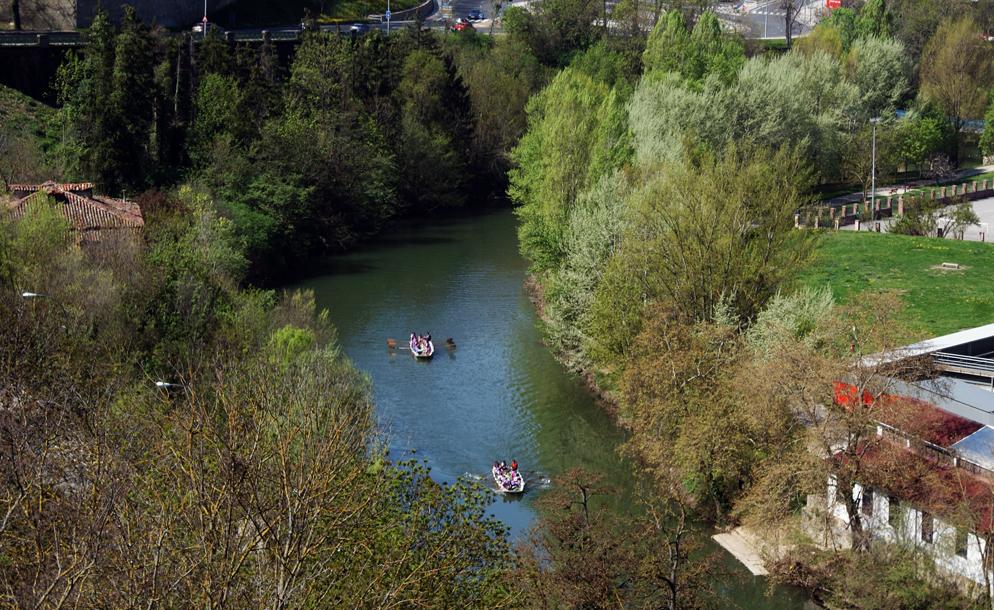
(937, 302)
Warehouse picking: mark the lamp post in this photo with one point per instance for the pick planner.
(40, 295)
(873, 166)
(388, 17)
(766, 18)
(167, 386)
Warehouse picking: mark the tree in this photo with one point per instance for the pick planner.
(923, 134)
(957, 71)
(553, 162)
(880, 70)
(954, 223)
(840, 397)
(858, 156)
(719, 229)
(582, 556)
(874, 20)
(15, 12)
(987, 137)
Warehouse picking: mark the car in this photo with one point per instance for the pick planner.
(476, 15)
(198, 28)
(462, 25)
(359, 28)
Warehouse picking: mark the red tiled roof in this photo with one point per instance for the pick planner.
(84, 213)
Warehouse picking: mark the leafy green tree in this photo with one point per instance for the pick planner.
(957, 71)
(668, 46)
(924, 133)
(553, 161)
(987, 137)
(714, 230)
(880, 70)
(845, 21)
(218, 112)
(915, 21)
(874, 20)
(825, 38)
(499, 84)
(857, 161)
(593, 235)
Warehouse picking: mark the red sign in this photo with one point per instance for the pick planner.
(833, 4)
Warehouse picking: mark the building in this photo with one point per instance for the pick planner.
(934, 487)
(91, 217)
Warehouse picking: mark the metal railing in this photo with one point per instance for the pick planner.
(959, 363)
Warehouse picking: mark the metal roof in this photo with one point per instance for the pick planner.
(956, 396)
(929, 346)
(978, 447)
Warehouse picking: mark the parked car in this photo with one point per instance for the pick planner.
(476, 15)
(462, 25)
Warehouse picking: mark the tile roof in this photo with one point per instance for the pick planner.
(84, 211)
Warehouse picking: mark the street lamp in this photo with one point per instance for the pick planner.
(41, 295)
(873, 166)
(165, 386)
(388, 17)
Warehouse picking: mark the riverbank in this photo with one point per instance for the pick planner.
(604, 399)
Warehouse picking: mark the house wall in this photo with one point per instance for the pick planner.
(908, 530)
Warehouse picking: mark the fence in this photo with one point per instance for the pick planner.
(886, 206)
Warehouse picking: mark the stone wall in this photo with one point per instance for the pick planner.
(70, 14)
(42, 14)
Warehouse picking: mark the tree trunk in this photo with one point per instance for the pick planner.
(788, 21)
(15, 11)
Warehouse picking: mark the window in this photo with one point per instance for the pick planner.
(962, 537)
(867, 505)
(894, 512)
(928, 526)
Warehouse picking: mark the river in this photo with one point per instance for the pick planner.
(500, 393)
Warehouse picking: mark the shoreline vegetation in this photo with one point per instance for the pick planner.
(656, 210)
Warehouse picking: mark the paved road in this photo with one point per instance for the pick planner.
(765, 19)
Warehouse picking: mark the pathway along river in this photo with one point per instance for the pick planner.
(500, 394)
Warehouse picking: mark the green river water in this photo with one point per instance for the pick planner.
(500, 393)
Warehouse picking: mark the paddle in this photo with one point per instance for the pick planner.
(392, 344)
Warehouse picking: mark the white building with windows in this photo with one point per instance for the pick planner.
(938, 491)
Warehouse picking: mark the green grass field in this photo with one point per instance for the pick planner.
(937, 301)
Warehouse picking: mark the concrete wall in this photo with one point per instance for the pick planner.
(70, 14)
